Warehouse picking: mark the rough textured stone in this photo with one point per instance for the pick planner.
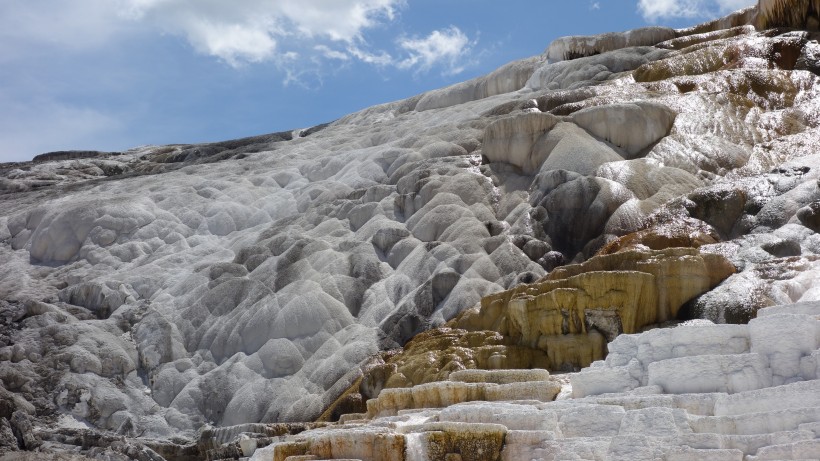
(632, 127)
(152, 293)
(609, 295)
(474, 442)
(512, 139)
(780, 13)
(574, 47)
(809, 216)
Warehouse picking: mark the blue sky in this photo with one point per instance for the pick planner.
(115, 74)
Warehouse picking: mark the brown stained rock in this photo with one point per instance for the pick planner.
(576, 308)
(374, 378)
(379, 444)
(561, 322)
(471, 442)
(696, 60)
(558, 307)
(433, 355)
(467, 386)
(347, 404)
(567, 352)
(773, 88)
(663, 237)
(284, 451)
(787, 13)
(500, 376)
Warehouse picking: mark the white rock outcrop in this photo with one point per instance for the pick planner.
(632, 127)
(708, 359)
(698, 409)
(573, 47)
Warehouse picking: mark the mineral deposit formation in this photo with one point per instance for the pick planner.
(606, 252)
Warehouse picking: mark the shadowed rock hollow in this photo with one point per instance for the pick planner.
(155, 292)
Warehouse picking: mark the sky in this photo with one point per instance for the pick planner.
(115, 74)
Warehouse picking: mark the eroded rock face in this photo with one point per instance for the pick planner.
(711, 358)
(568, 48)
(563, 321)
(605, 296)
(799, 14)
(517, 140)
(695, 391)
(432, 356)
(608, 122)
(167, 288)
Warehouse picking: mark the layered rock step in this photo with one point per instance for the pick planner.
(415, 435)
(561, 322)
(776, 348)
(467, 386)
(768, 409)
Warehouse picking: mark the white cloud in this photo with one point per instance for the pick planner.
(339, 20)
(448, 47)
(380, 59)
(232, 42)
(255, 30)
(250, 30)
(239, 32)
(329, 53)
(653, 10)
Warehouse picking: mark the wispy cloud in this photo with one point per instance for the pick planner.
(448, 47)
(253, 30)
(380, 58)
(654, 10)
(331, 54)
(238, 33)
(261, 30)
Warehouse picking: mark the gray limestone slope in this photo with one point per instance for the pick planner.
(248, 281)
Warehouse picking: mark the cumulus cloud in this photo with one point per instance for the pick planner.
(653, 10)
(251, 30)
(236, 32)
(324, 30)
(448, 47)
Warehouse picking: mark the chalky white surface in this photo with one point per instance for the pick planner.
(692, 421)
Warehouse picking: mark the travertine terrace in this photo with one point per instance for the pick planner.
(646, 203)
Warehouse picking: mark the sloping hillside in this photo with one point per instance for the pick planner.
(150, 294)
